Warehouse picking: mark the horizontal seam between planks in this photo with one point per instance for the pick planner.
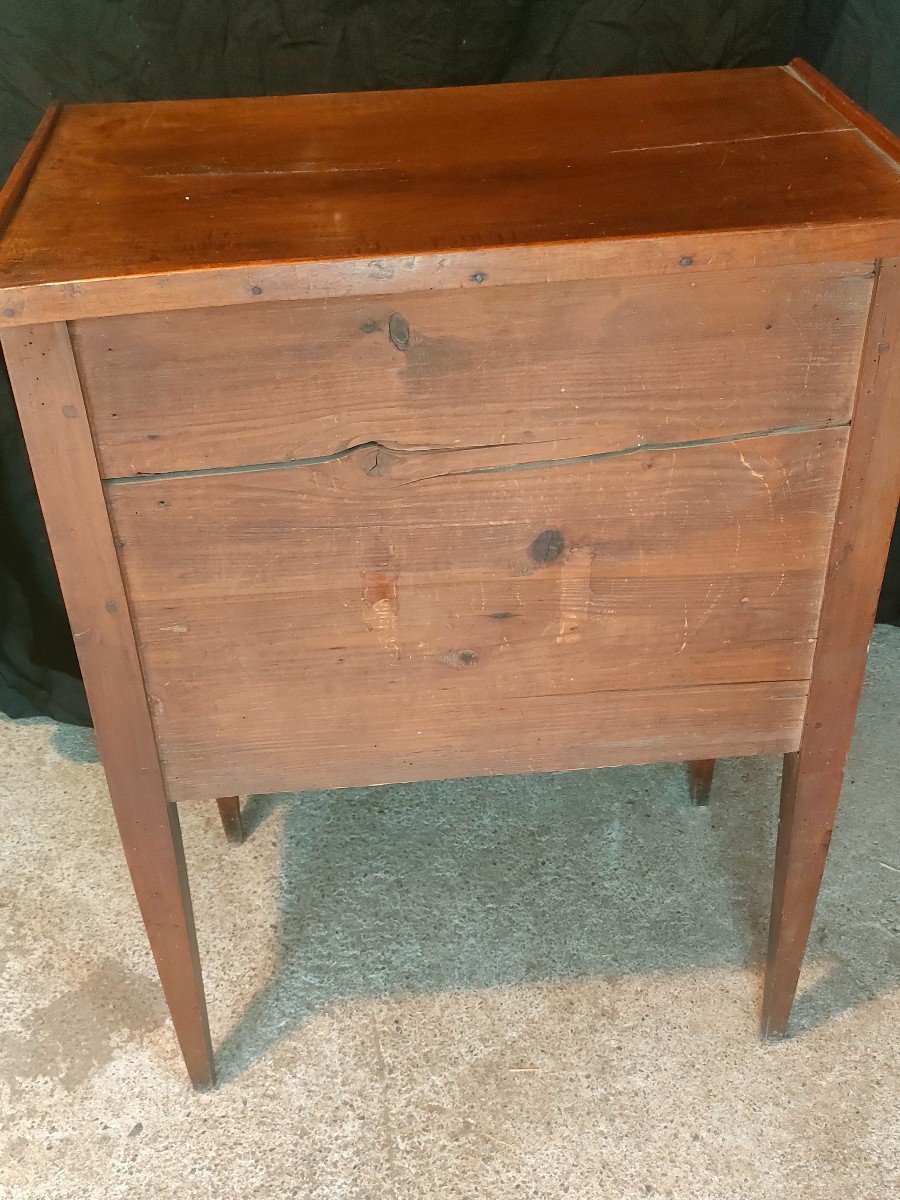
(647, 691)
(673, 687)
(646, 447)
(204, 172)
(337, 455)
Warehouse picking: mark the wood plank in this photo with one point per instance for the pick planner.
(261, 283)
(488, 737)
(338, 623)
(883, 138)
(870, 493)
(14, 188)
(137, 203)
(582, 367)
(51, 408)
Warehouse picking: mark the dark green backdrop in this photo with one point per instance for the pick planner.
(151, 49)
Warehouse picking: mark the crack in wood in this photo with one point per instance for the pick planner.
(313, 167)
(530, 464)
(640, 448)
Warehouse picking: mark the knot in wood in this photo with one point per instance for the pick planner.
(398, 331)
(547, 546)
(461, 658)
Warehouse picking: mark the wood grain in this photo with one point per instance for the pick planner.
(137, 206)
(51, 408)
(14, 188)
(363, 618)
(883, 138)
(580, 368)
(870, 493)
(396, 275)
(479, 736)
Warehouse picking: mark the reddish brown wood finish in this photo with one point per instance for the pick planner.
(55, 423)
(811, 786)
(180, 204)
(14, 188)
(700, 777)
(493, 267)
(622, 549)
(858, 117)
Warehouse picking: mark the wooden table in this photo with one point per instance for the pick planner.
(415, 435)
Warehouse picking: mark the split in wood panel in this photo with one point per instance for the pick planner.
(335, 621)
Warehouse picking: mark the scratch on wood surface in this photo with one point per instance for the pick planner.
(752, 137)
(786, 489)
(708, 611)
(379, 600)
(762, 479)
(211, 170)
(684, 641)
(710, 608)
(318, 167)
(736, 525)
(574, 594)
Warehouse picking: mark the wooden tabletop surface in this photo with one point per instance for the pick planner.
(145, 189)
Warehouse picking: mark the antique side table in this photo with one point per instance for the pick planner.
(426, 434)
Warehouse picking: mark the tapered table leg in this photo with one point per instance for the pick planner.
(811, 783)
(700, 776)
(155, 853)
(54, 419)
(804, 833)
(230, 812)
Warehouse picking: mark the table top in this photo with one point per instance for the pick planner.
(146, 189)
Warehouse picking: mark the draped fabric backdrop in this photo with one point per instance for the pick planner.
(80, 50)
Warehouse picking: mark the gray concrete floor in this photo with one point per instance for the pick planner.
(532, 987)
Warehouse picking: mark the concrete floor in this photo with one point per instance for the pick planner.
(529, 988)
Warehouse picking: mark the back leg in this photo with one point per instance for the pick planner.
(230, 812)
(700, 774)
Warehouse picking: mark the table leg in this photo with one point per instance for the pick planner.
(230, 812)
(700, 776)
(812, 778)
(804, 833)
(55, 423)
(154, 850)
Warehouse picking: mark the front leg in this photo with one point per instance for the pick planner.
(151, 837)
(811, 784)
(55, 422)
(700, 777)
(230, 812)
